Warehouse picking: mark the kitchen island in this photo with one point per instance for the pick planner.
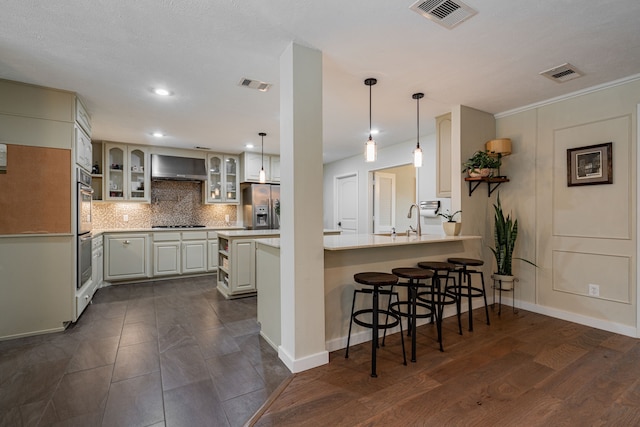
(344, 256)
(237, 262)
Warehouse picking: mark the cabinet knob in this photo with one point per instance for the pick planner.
(126, 242)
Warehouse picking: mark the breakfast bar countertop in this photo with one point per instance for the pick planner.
(361, 241)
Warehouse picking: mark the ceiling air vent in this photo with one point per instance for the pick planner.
(562, 73)
(254, 84)
(447, 13)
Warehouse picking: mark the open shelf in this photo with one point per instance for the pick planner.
(492, 183)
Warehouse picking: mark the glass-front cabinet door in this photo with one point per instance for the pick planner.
(138, 171)
(113, 169)
(231, 179)
(126, 173)
(215, 194)
(222, 179)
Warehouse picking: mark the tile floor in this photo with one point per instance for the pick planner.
(164, 353)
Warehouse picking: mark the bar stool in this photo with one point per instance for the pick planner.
(411, 313)
(469, 291)
(441, 296)
(377, 281)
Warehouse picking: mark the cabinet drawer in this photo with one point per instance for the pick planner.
(82, 117)
(212, 234)
(194, 235)
(166, 237)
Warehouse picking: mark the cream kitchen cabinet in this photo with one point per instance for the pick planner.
(166, 254)
(127, 256)
(252, 163)
(222, 179)
(443, 155)
(236, 267)
(177, 253)
(212, 251)
(194, 252)
(126, 173)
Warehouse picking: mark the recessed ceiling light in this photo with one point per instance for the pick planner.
(158, 134)
(161, 91)
(249, 145)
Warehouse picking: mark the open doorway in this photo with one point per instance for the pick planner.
(393, 191)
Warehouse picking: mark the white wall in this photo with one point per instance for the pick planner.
(391, 156)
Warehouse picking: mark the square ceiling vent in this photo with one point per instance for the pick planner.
(447, 13)
(562, 73)
(254, 84)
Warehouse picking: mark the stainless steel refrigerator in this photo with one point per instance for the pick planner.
(261, 206)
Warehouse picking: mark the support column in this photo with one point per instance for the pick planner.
(301, 227)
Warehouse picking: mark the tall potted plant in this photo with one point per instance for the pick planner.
(505, 233)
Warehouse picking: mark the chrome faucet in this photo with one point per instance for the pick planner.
(418, 229)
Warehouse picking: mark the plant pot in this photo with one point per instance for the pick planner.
(479, 173)
(506, 282)
(452, 228)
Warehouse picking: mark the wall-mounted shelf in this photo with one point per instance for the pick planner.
(492, 183)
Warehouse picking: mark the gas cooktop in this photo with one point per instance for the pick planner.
(178, 226)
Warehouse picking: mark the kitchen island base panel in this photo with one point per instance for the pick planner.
(340, 266)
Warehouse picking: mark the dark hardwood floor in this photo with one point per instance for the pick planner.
(523, 370)
(170, 352)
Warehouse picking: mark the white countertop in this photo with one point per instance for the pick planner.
(361, 241)
(260, 233)
(151, 229)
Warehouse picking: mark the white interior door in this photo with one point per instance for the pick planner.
(346, 203)
(384, 202)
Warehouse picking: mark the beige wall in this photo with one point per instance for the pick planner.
(577, 235)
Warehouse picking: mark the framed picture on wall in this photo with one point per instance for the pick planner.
(590, 165)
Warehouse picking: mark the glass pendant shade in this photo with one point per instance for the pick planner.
(417, 157)
(263, 176)
(370, 151)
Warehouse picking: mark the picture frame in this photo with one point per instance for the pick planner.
(590, 165)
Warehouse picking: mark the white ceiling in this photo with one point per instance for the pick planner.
(112, 52)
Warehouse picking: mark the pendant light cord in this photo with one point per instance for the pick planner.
(370, 111)
(418, 122)
(262, 135)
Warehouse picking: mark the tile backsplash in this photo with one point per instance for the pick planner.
(172, 203)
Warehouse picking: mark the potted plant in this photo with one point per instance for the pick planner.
(451, 227)
(480, 164)
(505, 233)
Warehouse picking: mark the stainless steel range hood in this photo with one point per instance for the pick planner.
(177, 168)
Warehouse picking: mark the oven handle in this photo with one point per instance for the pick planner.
(84, 237)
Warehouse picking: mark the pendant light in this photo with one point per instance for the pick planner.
(370, 151)
(417, 153)
(263, 175)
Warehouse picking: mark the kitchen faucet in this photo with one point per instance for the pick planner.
(418, 229)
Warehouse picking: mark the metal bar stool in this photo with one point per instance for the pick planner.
(467, 290)
(377, 281)
(412, 304)
(441, 296)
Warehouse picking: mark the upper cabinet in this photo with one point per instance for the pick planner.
(253, 162)
(222, 179)
(126, 173)
(443, 155)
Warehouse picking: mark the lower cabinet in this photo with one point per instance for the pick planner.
(126, 256)
(177, 253)
(212, 251)
(236, 267)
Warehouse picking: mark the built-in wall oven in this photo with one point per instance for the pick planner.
(85, 195)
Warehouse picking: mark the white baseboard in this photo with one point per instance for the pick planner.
(605, 325)
(304, 363)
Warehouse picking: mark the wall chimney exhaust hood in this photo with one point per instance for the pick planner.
(177, 168)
